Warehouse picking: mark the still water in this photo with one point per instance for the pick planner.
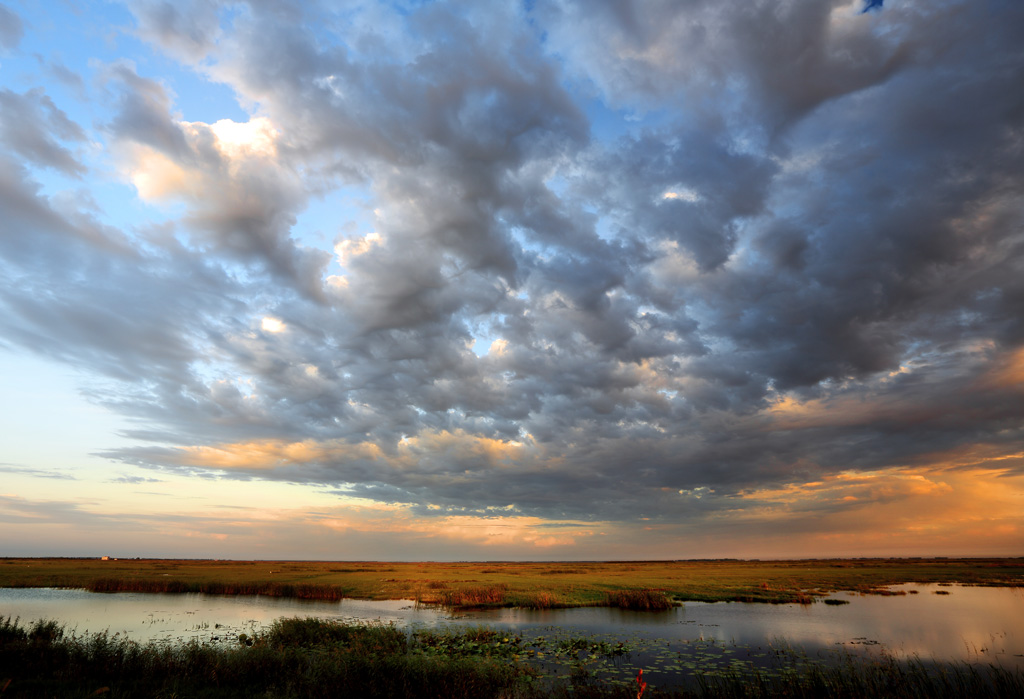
(973, 624)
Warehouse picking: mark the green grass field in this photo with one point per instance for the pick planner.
(636, 584)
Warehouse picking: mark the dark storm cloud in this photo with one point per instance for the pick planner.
(805, 258)
(719, 187)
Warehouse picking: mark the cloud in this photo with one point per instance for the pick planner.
(11, 29)
(240, 197)
(795, 257)
(30, 125)
(722, 61)
(67, 77)
(135, 480)
(795, 285)
(187, 30)
(35, 472)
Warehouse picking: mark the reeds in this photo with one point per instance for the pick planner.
(329, 593)
(541, 600)
(296, 658)
(318, 658)
(481, 596)
(639, 600)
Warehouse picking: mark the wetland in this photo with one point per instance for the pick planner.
(952, 621)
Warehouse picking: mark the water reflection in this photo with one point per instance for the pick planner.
(975, 624)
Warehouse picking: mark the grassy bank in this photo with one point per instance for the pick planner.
(536, 585)
(297, 660)
(316, 658)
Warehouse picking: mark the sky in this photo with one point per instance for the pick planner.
(538, 280)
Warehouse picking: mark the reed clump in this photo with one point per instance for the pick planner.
(479, 596)
(542, 600)
(639, 600)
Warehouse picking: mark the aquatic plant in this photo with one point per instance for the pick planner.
(640, 600)
(640, 683)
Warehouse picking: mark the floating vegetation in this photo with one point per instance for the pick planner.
(880, 591)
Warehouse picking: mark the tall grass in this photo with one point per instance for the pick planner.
(640, 600)
(481, 596)
(540, 600)
(317, 658)
(296, 658)
(330, 593)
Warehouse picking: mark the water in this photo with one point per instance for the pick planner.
(972, 624)
(207, 618)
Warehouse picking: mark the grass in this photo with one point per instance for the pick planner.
(469, 597)
(537, 585)
(885, 678)
(296, 658)
(640, 600)
(269, 589)
(318, 658)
